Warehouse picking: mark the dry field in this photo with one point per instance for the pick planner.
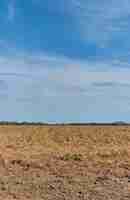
(64, 162)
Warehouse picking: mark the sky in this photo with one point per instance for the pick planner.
(65, 60)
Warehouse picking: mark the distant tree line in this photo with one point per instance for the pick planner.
(117, 123)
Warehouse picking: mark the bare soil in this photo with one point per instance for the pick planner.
(64, 162)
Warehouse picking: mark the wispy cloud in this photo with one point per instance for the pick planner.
(53, 88)
(103, 22)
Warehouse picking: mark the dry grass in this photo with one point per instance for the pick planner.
(64, 162)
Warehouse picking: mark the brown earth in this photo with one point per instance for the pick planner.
(64, 162)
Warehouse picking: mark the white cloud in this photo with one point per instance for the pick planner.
(65, 70)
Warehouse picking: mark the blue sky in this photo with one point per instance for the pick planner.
(65, 60)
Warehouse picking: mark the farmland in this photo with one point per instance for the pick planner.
(64, 162)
